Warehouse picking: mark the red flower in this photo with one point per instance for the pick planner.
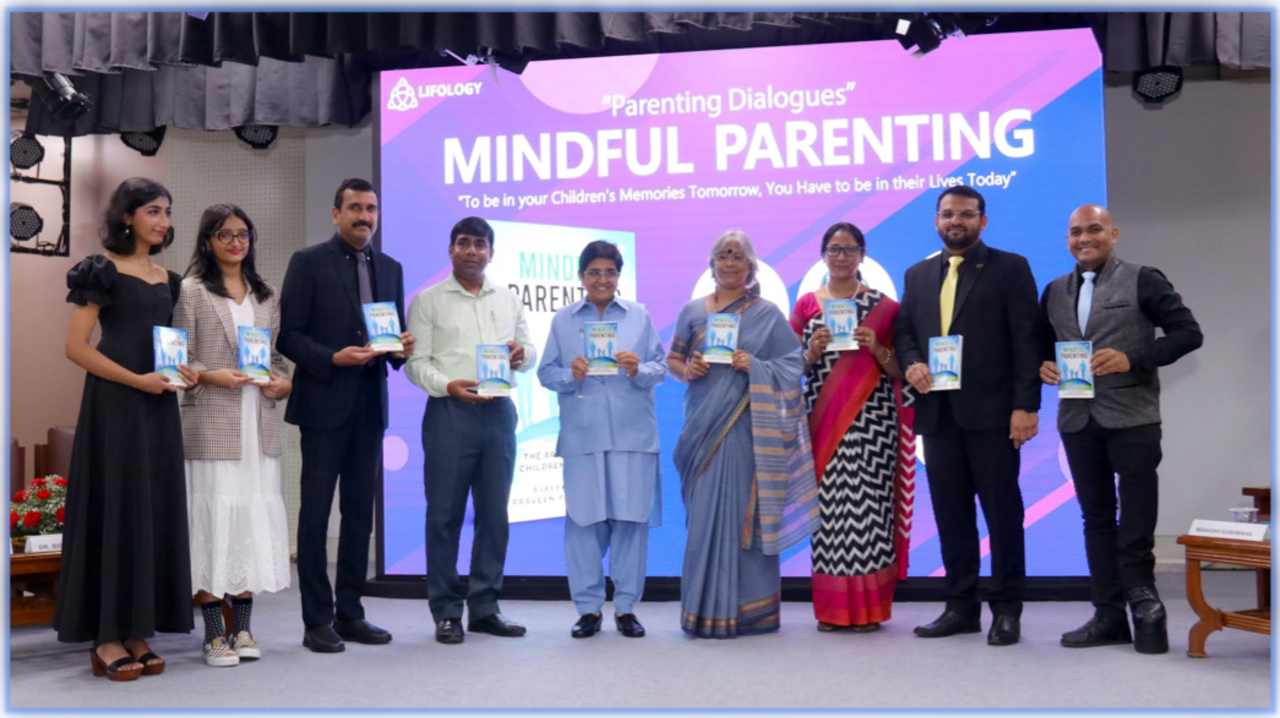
(43, 494)
(59, 482)
(32, 519)
(13, 520)
(20, 497)
(59, 515)
(38, 482)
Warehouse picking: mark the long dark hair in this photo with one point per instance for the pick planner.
(204, 265)
(132, 193)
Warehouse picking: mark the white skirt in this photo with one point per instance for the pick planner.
(239, 530)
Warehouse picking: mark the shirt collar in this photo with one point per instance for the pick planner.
(583, 303)
(1101, 271)
(452, 284)
(977, 253)
(345, 247)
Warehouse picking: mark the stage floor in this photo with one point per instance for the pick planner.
(794, 668)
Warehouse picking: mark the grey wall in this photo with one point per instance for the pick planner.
(1190, 186)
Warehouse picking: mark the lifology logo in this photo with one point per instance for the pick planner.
(404, 97)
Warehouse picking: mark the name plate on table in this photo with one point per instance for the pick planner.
(49, 543)
(1230, 530)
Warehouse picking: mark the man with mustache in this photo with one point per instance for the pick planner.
(1116, 306)
(340, 403)
(973, 435)
(468, 440)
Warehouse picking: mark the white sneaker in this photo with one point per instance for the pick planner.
(218, 654)
(244, 645)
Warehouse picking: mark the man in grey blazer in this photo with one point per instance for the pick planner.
(1117, 306)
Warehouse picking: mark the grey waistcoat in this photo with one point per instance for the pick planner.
(1115, 322)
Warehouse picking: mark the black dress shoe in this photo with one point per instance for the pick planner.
(323, 639)
(629, 625)
(361, 631)
(587, 625)
(1150, 623)
(949, 624)
(1005, 631)
(449, 630)
(1099, 631)
(496, 625)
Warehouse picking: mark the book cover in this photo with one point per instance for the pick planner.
(945, 354)
(602, 348)
(841, 317)
(170, 346)
(722, 338)
(1075, 378)
(383, 324)
(493, 369)
(254, 357)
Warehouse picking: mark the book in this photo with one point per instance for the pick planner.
(1075, 378)
(841, 317)
(722, 338)
(493, 369)
(602, 348)
(945, 354)
(383, 323)
(170, 347)
(254, 357)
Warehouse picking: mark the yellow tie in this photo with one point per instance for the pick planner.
(947, 298)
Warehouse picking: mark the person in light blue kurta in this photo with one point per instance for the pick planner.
(609, 443)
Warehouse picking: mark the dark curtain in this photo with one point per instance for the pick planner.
(305, 69)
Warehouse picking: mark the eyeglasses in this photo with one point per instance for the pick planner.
(848, 250)
(597, 274)
(968, 215)
(225, 236)
(731, 259)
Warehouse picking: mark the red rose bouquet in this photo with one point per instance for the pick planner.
(39, 508)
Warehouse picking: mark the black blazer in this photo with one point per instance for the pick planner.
(996, 312)
(320, 314)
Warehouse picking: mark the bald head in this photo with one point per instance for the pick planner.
(1091, 236)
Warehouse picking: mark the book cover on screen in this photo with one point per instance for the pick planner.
(383, 324)
(722, 338)
(1075, 378)
(493, 369)
(602, 348)
(841, 317)
(254, 357)
(170, 347)
(945, 354)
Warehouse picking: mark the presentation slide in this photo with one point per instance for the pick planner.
(661, 154)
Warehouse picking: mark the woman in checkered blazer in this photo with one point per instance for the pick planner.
(231, 431)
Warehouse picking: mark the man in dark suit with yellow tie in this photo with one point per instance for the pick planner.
(973, 435)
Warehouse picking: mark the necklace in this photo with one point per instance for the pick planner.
(715, 300)
(857, 287)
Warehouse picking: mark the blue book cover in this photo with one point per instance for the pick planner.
(170, 347)
(722, 338)
(841, 317)
(383, 324)
(493, 369)
(602, 348)
(1075, 378)
(945, 354)
(254, 357)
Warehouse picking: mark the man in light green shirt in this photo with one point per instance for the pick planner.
(468, 440)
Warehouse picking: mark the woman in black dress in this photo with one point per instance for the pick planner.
(125, 561)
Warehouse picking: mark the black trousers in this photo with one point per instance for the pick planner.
(354, 452)
(467, 448)
(961, 464)
(1119, 552)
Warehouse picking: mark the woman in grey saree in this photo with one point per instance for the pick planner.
(745, 464)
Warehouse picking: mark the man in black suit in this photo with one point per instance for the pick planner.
(340, 403)
(972, 436)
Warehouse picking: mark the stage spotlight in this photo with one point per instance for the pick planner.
(24, 221)
(919, 31)
(61, 97)
(148, 143)
(259, 137)
(25, 151)
(1158, 84)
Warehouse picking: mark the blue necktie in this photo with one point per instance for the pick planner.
(1086, 301)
